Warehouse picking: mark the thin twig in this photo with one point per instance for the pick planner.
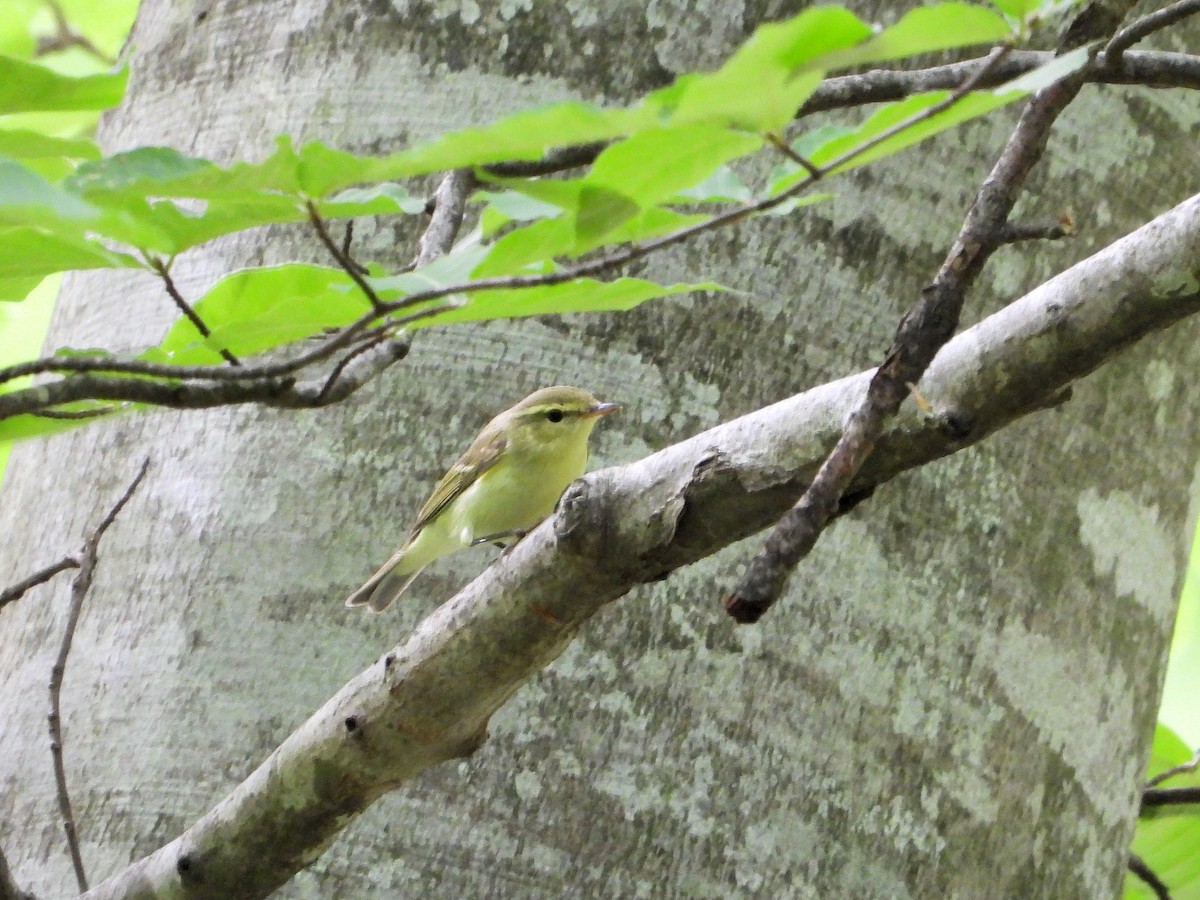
(283, 392)
(1181, 769)
(349, 266)
(88, 559)
(782, 146)
(1155, 797)
(921, 333)
(1016, 232)
(448, 205)
(1153, 69)
(1147, 25)
(65, 36)
(1138, 867)
(70, 414)
(18, 590)
(160, 266)
(347, 241)
(345, 361)
(558, 159)
(338, 340)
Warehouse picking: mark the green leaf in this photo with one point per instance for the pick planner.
(453, 268)
(16, 28)
(518, 206)
(762, 85)
(25, 144)
(891, 115)
(376, 200)
(218, 201)
(794, 203)
(657, 164)
(17, 428)
(886, 117)
(255, 310)
(601, 211)
(722, 186)
(524, 135)
(1167, 751)
(927, 29)
(650, 223)
(584, 295)
(27, 198)
(503, 207)
(26, 86)
(1044, 76)
(549, 239)
(31, 254)
(18, 288)
(563, 193)
(541, 240)
(139, 172)
(1018, 9)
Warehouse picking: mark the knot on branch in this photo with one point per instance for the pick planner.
(585, 525)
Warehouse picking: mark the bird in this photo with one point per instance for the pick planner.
(506, 482)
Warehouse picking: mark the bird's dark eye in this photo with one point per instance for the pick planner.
(555, 415)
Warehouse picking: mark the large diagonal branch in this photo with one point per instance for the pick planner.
(429, 699)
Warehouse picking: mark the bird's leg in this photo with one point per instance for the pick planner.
(498, 537)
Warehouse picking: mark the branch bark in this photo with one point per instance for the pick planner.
(430, 699)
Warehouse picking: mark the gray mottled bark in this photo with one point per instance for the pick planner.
(954, 700)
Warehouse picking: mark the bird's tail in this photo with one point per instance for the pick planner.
(382, 588)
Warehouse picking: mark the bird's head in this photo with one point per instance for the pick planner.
(554, 418)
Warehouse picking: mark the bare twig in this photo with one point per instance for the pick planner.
(163, 269)
(1181, 769)
(65, 36)
(1147, 25)
(1138, 867)
(88, 559)
(18, 590)
(1015, 232)
(557, 160)
(338, 370)
(921, 333)
(1155, 797)
(448, 205)
(782, 146)
(1151, 69)
(347, 241)
(338, 340)
(70, 414)
(349, 266)
(282, 392)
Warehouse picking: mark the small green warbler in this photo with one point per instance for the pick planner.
(509, 479)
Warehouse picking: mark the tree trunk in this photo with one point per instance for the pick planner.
(956, 696)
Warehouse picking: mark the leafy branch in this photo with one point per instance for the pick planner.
(638, 217)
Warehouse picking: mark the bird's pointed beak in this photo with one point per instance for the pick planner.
(602, 409)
